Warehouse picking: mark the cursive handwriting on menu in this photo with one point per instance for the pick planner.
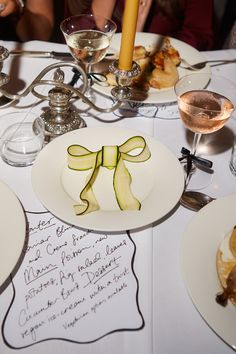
(72, 284)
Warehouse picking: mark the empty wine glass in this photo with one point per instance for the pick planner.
(88, 37)
(205, 104)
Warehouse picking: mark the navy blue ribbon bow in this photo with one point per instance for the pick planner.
(193, 159)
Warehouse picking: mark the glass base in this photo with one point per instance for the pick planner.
(90, 94)
(198, 179)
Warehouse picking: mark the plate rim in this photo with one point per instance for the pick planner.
(16, 228)
(63, 140)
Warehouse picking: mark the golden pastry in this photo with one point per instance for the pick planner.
(226, 269)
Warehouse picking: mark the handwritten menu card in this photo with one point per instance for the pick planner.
(73, 285)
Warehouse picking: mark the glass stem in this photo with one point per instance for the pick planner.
(190, 169)
(88, 72)
(196, 139)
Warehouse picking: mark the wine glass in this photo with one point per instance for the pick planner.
(205, 104)
(88, 37)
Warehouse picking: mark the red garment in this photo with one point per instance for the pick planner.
(194, 26)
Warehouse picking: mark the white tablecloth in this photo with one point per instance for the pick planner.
(177, 325)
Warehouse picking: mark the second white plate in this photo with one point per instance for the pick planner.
(158, 182)
(199, 248)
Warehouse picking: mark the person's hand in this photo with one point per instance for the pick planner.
(8, 7)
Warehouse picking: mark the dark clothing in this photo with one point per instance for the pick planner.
(227, 23)
(8, 29)
(193, 24)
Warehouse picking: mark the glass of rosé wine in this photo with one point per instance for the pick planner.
(205, 104)
(88, 37)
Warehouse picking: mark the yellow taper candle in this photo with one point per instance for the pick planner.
(128, 34)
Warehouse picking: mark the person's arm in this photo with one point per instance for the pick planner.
(103, 7)
(10, 7)
(36, 21)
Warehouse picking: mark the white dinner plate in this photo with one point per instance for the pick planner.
(157, 183)
(198, 257)
(13, 231)
(150, 41)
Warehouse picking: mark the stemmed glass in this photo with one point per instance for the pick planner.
(88, 37)
(205, 104)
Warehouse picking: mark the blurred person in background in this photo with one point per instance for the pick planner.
(227, 32)
(26, 20)
(76, 7)
(190, 21)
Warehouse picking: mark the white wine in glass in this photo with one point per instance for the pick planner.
(205, 104)
(88, 38)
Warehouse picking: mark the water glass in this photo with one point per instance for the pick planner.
(21, 138)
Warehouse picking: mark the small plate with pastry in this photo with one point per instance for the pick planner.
(208, 259)
(159, 58)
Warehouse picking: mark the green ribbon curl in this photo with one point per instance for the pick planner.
(111, 157)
